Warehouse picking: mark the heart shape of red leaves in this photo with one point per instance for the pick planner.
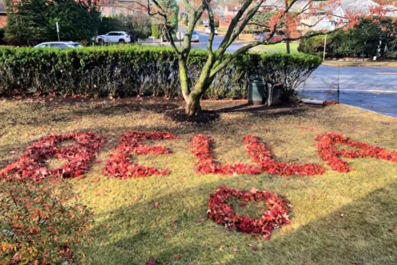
(274, 217)
(119, 164)
(78, 156)
(328, 152)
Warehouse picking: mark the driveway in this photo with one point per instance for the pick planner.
(373, 89)
(202, 45)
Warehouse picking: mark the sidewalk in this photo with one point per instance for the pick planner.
(383, 64)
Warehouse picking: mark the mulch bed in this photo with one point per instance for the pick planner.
(172, 108)
(204, 117)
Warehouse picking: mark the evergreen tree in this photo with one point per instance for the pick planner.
(25, 21)
(34, 20)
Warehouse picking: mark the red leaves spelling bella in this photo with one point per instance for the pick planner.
(201, 148)
(31, 164)
(274, 217)
(328, 152)
(119, 164)
(261, 155)
(78, 156)
(257, 151)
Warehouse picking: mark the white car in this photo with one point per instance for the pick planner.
(195, 37)
(114, 37)
(59, 45)
(208, 31)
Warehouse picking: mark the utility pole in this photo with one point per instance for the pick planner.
(287, 41)
(56, 23)
(325, 46)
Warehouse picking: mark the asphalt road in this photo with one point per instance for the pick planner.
(373, 89)
(202, 44)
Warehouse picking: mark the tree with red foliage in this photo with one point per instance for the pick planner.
(283, 20)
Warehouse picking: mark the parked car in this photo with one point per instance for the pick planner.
(59, 45)
(208, 31)
(195, 37)
(114, 37)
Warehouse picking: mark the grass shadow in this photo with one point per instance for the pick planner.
(362, 232)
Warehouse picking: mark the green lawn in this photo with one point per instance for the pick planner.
(279, 47)
(336, 219)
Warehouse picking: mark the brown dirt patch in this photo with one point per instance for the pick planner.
(204, 117)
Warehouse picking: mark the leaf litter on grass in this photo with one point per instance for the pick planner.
(124, 231)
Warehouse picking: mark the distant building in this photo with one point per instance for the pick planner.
(336, 15)
(3, 14)
(274, 5)
(121, 7)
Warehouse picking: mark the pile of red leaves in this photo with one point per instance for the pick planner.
(261, 155)
(274, 217)
(31, 164)
(120, 163)
(328, 152)
(201, 149)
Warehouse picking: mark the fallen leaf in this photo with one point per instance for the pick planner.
(151, 262)
(253, 190)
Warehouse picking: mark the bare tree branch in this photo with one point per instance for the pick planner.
(234, 23)
(167, 27)
(211, 24)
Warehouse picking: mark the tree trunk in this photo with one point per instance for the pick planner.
(183, 77)
(192, 106)
(203, 83)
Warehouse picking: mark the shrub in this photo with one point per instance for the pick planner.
(134, 70)
(361, 41)
(41, 223)
(156, 30)
(109, 24)
(2, 41)
(315, 45)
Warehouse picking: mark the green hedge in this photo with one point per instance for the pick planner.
(133, 70)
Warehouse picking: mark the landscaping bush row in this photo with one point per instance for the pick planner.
(133, 70)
